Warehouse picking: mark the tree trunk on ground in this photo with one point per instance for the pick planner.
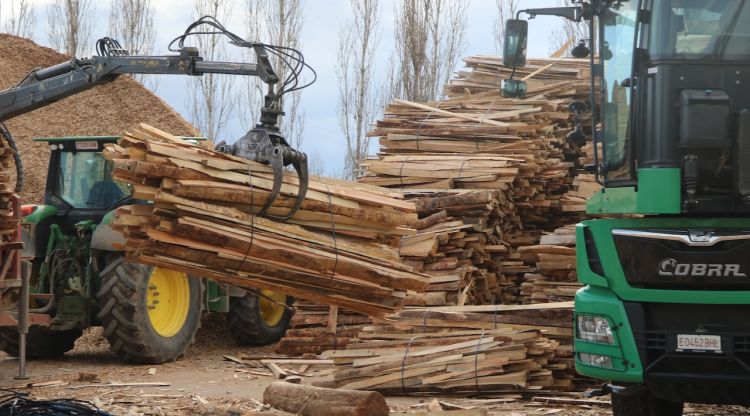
(316, 401)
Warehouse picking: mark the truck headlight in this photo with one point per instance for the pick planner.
(594, 360)
(595, 329)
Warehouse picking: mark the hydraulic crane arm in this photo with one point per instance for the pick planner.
(44, 86)
(263, 144)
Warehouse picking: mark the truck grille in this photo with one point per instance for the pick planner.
(658, 259)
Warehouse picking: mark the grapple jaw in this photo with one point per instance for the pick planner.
(266, 146)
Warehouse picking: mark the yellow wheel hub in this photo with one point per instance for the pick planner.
(272, 307)
(168, 301)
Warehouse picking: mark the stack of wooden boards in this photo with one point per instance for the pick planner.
(459, 247)
(317, 328)
(8, 222)
(334, 250)
(499, 168)
(460, 350)
(553, 262)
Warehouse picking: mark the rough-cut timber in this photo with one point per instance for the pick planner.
(488, 175)
(335, 249)
(315, 401)
(449, 350)
(8, 223)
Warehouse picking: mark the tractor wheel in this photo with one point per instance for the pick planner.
(150, 315)
(259, 320)
(640, 402)
(41, 342)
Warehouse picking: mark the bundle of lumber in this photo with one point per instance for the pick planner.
(541, 75)
(460, 248)
(8, 222)
(501, 165)
(554, 261)
(317, 328)
(455, 350)
(203, 221)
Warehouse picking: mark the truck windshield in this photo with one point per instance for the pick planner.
(84, 180)
(700, 29)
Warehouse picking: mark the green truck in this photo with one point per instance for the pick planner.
(663, 316)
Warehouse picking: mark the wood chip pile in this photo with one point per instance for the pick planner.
(203, 222)
(106, 110)
(452, 350)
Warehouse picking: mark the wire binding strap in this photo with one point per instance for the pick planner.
(494, 318)
(476, 363)
(421, 123)
(333, 230)
(461, 169)
(403, 365)
(481, 120)
(252, 220)
(401, 171)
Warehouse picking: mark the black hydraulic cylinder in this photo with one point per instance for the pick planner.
(54, 71)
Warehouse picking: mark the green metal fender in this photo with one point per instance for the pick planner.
(105, 238)
(28, 228)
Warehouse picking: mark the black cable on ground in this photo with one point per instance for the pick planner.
(13, 403)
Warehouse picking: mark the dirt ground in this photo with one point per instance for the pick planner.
(205, 383)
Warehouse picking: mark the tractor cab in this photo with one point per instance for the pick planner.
(80, 186)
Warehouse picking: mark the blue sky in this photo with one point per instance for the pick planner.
(319, 42)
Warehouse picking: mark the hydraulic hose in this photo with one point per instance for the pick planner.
(16, 156)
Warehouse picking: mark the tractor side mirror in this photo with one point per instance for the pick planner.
(516, 37)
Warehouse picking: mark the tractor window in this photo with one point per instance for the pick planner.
(701, 29)
(619, 29)
(85, 181)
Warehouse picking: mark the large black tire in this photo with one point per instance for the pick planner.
(41, 342)
(124, 314)
(247, 325)
(639, 402)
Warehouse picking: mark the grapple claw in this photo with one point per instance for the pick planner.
(264, 146)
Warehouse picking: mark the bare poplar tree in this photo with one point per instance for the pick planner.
(22, 18)
(569, 30)
(275, 22)
(211, 99)
(132, 23)
(506, 9)
(69, 24)
(355, 70)
(430, 36)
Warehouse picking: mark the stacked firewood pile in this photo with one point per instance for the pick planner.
(203, 221)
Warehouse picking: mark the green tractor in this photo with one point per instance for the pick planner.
(80, 277)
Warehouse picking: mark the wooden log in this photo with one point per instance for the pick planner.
(316, 401)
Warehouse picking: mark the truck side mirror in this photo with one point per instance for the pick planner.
(514, 48)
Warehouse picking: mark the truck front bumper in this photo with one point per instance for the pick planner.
(643, 347)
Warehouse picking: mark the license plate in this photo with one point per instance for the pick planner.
(698, 343)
